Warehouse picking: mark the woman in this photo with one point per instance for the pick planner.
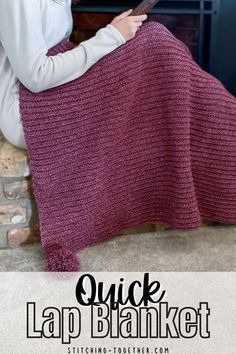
(36, 26)
(144, 136)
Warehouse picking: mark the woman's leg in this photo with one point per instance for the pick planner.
(144, 136)
(12, 130)
(202, 101)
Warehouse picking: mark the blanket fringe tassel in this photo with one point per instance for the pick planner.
(62, 260)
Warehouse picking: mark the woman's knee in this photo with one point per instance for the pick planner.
(155, 30)
(158, 37)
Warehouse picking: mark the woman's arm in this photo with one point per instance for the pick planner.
(22, 38)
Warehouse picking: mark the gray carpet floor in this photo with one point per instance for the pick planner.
(206, 249)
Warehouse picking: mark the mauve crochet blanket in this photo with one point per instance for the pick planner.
(144, 136)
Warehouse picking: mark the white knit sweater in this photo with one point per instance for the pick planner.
(28, 28)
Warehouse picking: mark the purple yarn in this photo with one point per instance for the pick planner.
(144, 136)
(62, 260)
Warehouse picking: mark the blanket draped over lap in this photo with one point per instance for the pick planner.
(144, 136)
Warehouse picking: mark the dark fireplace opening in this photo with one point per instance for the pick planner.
(195, 22)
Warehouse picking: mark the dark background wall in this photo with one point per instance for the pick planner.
(225, 65)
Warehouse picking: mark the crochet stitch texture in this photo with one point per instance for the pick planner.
(144, 136)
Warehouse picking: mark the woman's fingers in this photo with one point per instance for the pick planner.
(124, 14)
(138, 24)
(138, 20)
(128, 25)
(138, 17)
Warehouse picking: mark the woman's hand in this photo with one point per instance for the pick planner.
(128, 25)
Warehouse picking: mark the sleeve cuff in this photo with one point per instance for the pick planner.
(120, 38)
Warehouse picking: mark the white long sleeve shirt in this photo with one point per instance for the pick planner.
(28, 28)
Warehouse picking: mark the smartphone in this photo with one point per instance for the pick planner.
(144, 7)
